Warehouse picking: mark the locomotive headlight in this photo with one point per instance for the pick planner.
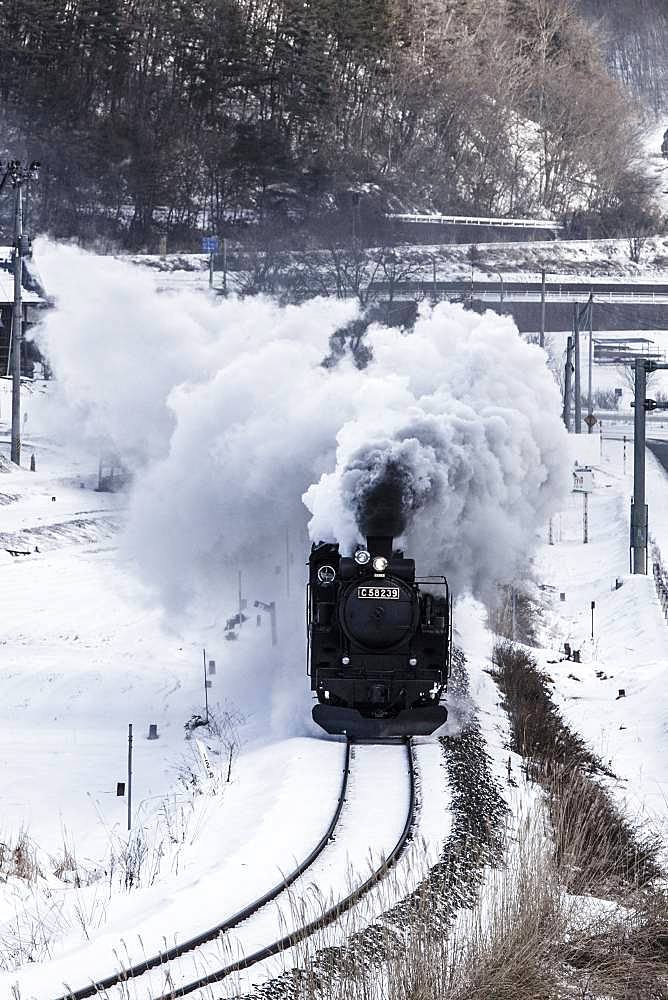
(362, 557)
(379, 564)
(326, 574)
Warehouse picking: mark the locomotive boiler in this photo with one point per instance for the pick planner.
(379, 642)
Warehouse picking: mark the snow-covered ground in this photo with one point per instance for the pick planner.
(84, 654)
(629, 648)
(87, 649)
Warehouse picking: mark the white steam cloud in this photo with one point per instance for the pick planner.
(458, 446)
(228, 419)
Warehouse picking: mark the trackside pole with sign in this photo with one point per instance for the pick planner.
(129, 776)
(271, 608)
(583, 482)
(210, 245)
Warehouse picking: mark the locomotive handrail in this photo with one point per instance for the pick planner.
(308, 629)
(334, 912)
(179, 950)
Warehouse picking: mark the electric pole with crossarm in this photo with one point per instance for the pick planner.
(18, 177)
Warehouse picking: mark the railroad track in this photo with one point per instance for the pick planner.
(166, 961)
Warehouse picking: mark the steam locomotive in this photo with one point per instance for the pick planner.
(379, 642)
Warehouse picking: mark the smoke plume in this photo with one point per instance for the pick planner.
(456, 446)
(450, 440)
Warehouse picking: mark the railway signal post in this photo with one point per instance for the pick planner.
(639, 513)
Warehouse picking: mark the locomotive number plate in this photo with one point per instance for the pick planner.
(379, 593)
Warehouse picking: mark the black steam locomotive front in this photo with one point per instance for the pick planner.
(379, 642)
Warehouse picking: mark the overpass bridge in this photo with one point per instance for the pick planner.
(636, 293)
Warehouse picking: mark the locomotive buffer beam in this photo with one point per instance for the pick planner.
(419, 721)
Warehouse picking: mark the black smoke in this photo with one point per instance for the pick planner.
(382, 493)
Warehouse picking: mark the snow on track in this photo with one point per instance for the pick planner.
(371, 824)
(278, 807)
(431, 831)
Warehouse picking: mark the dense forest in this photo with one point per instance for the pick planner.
(634, 38)
(172, 117)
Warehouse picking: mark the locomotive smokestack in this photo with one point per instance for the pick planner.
(380, 545)
(382, 495)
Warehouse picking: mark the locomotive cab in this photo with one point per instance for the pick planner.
(379, 642)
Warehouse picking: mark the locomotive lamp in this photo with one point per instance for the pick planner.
(362, 557)
(380, 564)
(326, 574)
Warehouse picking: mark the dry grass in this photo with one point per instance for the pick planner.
(508, 947)
(538, 732)
(597, 848)
(18, 858)
(624, 956)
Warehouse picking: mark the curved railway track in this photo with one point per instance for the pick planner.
(281, 944)
(141, 968)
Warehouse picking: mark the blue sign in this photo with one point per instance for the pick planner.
(210, 244)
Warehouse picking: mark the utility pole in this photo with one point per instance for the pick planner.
(578, 384)
(638, 508)
(18, 176)
(17, 323)
(590, 405)
(568, 372)
(639, 519)
(541, 338)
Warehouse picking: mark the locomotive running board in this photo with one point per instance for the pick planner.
(349, 722)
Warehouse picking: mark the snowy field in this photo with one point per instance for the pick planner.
(84, 652)
(109, 600)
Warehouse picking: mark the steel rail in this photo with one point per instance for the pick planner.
(306, 931)
(141, 968)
